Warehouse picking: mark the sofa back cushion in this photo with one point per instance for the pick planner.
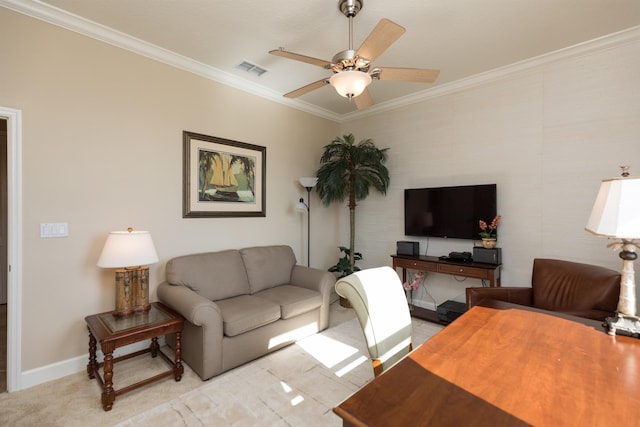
(268, 266)
(214, 275)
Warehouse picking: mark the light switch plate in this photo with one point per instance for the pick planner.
(54, 229)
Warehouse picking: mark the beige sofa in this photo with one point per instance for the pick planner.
(242, 304)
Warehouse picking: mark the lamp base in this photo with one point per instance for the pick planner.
(132, 291)
(130, 311)
(624, 324)
(122, 313)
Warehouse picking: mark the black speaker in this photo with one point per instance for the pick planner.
(488, 256)
(408, 248)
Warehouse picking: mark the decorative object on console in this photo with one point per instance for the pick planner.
(616, 214)
(307, 182)
(347, 171)
(489, 232)
(489, 242)
(130, 252)
(413, 285)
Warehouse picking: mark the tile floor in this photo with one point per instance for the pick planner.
(295, 386)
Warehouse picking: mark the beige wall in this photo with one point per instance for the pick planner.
(546, 137)
(102, 151)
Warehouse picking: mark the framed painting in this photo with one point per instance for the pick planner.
(222, 178)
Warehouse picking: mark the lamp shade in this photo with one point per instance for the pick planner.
(350, 83)
(616, 211)
(128, 249)
(308, 181)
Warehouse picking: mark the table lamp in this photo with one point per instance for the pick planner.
(616, 214)
(129, 252)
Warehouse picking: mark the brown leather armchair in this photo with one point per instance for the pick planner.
(567, 287)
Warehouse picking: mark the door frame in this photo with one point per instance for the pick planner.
(14, 246)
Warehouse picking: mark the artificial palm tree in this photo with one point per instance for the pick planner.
(348, 170)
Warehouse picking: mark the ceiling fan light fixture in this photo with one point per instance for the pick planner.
(350, 83)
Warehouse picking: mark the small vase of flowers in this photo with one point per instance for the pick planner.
(411, 286)
(488, 232)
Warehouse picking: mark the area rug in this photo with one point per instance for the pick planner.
(296, 386)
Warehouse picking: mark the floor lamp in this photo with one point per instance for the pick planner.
(307, 182)
(616, 214)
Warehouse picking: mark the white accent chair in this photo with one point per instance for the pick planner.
(378, 298)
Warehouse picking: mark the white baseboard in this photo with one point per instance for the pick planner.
(74, 365)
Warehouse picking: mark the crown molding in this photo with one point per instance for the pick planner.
(602, 43)
(37, 9)
(53, 15)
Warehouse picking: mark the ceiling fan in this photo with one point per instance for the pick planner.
(352, 71)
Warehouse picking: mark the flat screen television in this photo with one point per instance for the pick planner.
(450, 212)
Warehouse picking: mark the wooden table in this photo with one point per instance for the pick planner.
(507, 367)
(474, 270)
(117, 331)
(432, 264)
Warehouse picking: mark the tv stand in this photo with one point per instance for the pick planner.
(432, 264)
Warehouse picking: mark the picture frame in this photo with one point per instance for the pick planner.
(222, 177)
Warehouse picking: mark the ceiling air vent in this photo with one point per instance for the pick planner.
(251, 68)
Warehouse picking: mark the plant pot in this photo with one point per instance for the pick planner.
(489, 242)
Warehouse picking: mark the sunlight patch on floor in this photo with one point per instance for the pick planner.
(326, 350)
(294, 335)
(287, 389)
(296, 400)
(351, 366)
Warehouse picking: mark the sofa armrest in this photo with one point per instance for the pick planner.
(512, 294)
(317, 280)
(312, 278)
(203, 331)
(193, 307)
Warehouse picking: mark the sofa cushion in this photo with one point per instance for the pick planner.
(214, 275)
(293, 300)
(268, 266)
(246, 312)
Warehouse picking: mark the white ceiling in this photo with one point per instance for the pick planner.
(462, 38)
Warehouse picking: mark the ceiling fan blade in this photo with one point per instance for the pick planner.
(419, 75)
(363, 100)
(302, 58)
(306, 89)
(382, 36)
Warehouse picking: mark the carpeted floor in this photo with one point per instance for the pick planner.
(295, 386)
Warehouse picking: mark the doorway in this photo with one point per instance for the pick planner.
(3, 255)
(11, 120)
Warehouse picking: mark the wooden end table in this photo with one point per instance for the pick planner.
(117, 331)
